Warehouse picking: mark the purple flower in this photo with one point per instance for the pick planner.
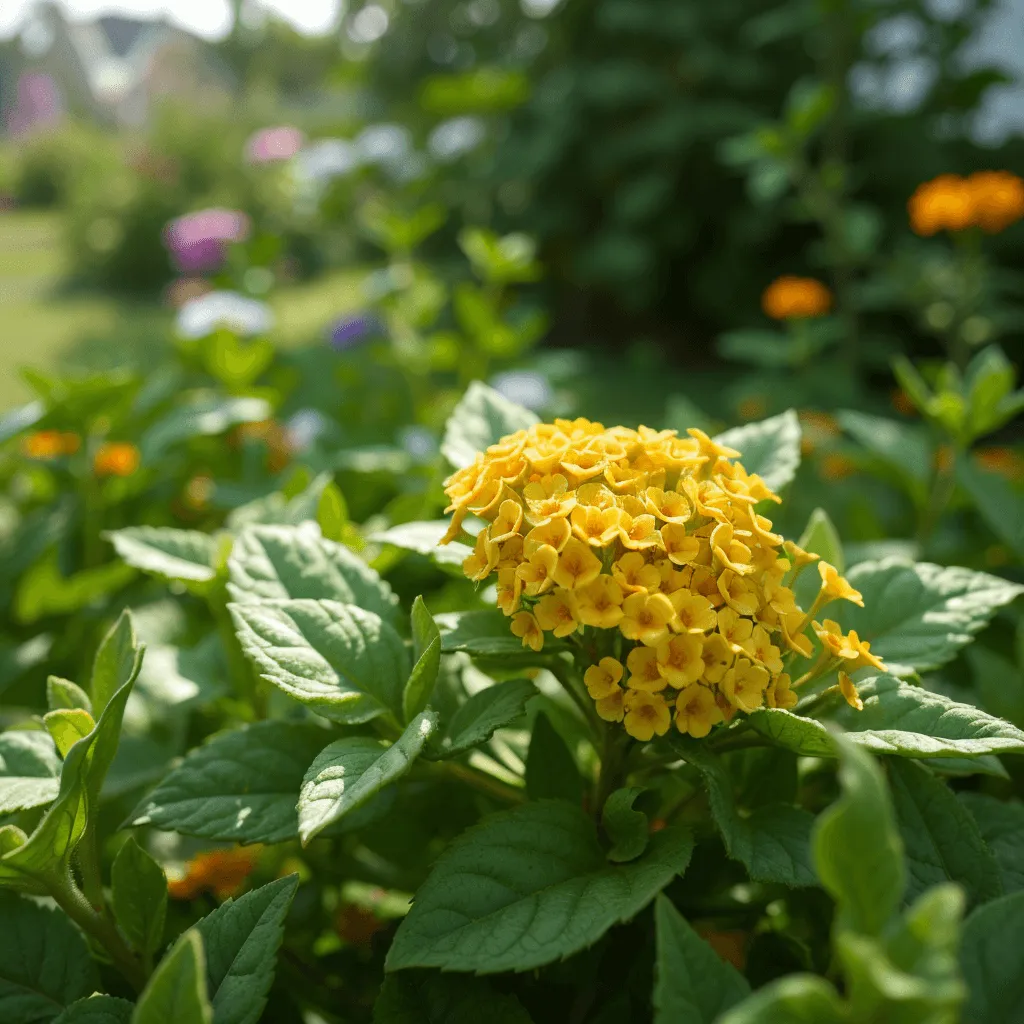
(38, 103)
(349, 331)
(198, 241)
(271, 144)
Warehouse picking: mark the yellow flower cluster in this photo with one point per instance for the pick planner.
(646, 548)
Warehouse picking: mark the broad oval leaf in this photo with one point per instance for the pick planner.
(486, 633)
(997, 500)
(424, 538)
(486, 711)
(481, 418)
(240, 785)
(917, 615)
(770, 448)
(241, 938)
(279, 562)
(551, 770)
(693, 984)
(97, 1010)
(346, 663)
(1001, 823)
(527, 887)
(176, 992)
(627, 829)
(44, 962)
(426, 646)
(185, 555)
(941, 840)
(139, 897)
(992, 959)
(349, 771)
(29, 770)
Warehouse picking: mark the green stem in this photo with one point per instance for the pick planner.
(570, 683)
(613, 753)
(88, 854)
(481, 781)
(100, 928)
(943, 486)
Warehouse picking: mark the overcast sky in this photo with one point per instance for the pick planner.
(209, 18)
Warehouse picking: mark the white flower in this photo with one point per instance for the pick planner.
(245, 317)
(524, 387)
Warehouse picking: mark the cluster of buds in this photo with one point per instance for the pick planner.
(647, 549)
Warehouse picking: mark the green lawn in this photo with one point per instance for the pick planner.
(44, 327)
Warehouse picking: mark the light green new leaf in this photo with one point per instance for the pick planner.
(486, 633)
(279, 562)
(241, 938)
(67, 727)
(425, 539)
(805, 736)
(999, 503)
(770, 448)
(44, 962)
(857, 848)
(29, 770)
(940, 838)
(1001, 824)
(185, 555)
(97, 1010)
(428, 997)
(526, 887)
(772, 842)
(176, 993)
(139, 897)
(626, 828)
(992, 959)
(346, 663)
(240, 785)
(796, 999)
(551, 771)
(349, 771)
(117, 660)
(482, 418)
(487, 710)
(917, 616)
(62, 693)
(693, 984)
(426, 648)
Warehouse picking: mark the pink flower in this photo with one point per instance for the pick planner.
(198, 241)
(272, 144)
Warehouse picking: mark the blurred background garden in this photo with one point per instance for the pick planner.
(252, 256)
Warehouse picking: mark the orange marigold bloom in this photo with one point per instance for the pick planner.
(943, 204)
(794, 298)
(998, 198)
(116, 458)
(50, 444)
(221, 872)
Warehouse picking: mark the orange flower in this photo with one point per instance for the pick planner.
(998, 198)
(49, 444)
(943, 204)
(116, 458)
(1004, 461)
(793, 298)
(221, 872)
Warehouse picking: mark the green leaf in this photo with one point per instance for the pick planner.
(332, 513)
(278, 562)
(139, 897)
(240, 785)
(349, 771)
(998, 682)
(176, 993)
(97, 1010)
(43, 591)
(428, 997)
(770, 448)
(905, 449)
(482, 418)
(805, 736)
(627, 829)
(1001, 824)
(820, 537)
(67, 727)
(918, 615)
(62, 693)
(186, 555)
(486, 633)
(241, 938)
(526, 887)
(551, 772)
(200, 415)
(992, 959)
(797, 999)
(29, 770)
(772, 842)
(426, 646)
(988, 387)
(344, 662)
(487, 710)
(425, 539)
(44, 962)
(941, 840)
(999, 502)
(117, 659)
(693, 985)
(857, 848)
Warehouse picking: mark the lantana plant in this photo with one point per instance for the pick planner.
(685, 771)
